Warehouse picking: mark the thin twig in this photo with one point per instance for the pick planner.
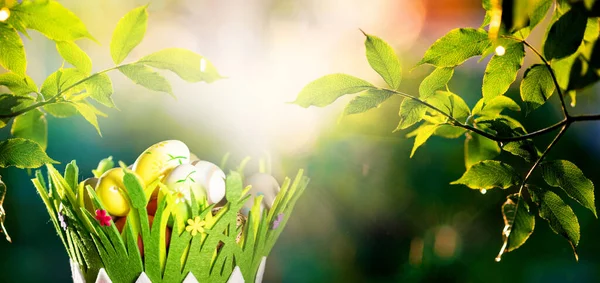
(457, 123)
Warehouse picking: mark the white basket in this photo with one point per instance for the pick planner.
(236, 275)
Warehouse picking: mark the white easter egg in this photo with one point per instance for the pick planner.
(160, 158)
(184, 179)
(212, 179)
(262, 185)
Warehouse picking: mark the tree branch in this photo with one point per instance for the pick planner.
(457, 123)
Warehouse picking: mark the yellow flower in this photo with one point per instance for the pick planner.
(195, 226)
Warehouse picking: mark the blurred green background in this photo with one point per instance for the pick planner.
(370, 214)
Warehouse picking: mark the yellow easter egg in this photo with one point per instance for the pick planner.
(110, 191)
(160, 158)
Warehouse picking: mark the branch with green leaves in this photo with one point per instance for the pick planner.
(569, 63)
(73, 90)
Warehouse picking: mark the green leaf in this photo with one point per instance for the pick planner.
(450, 104)
(22, 153)
(456, 47)
(536, 87)
(479, 148)
(17, 22)
(502, 71)
(592, 30)
(100, 89)
(89, 114)
(422, 135)
(566, 175)
(524, 149)
(489, 174)
(52, 20)
(12, 52)
(495, 106)
(129, 33)
(562, 69)
(565, 34)
(411, 112)
(33, 126)
(505, 126)
(559, 215)
(62, 79)
(538, 11)
(582, 75)
(383, 60)
(437, 80)
(325, 90)
(146, 77)
(518, 221)
(449, 131)
(75, 56)
(9, 104)
(188, 65)
(370, 99)
(18, 84)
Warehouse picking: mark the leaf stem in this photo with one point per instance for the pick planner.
(457, 123)
(537, 162)
(58, 95)
(528, 175)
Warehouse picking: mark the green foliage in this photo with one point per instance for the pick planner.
(437, 80)
(565, 35)
(51, 19)
(370, 99)
(502, 71)
(146, 77)
(489, 174)
(456, 47)
(129, 33)
(12, 52)
(74, 55)
(422, 135)
(188, 65)
(327, 89)
(536, 87)
(411, 112)
(559, 215)
(22, 153)
(383, 60)
(69, 91)
(517, 219)
(479, 148)
(567, 176)
(100, 89)
(33, 126)
(18, 85)
(570, 61)
(495, 106)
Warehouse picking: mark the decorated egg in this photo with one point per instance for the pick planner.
(110, 191)
(160, 158)
(262, 185)
(184, 179)
(212, 179)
